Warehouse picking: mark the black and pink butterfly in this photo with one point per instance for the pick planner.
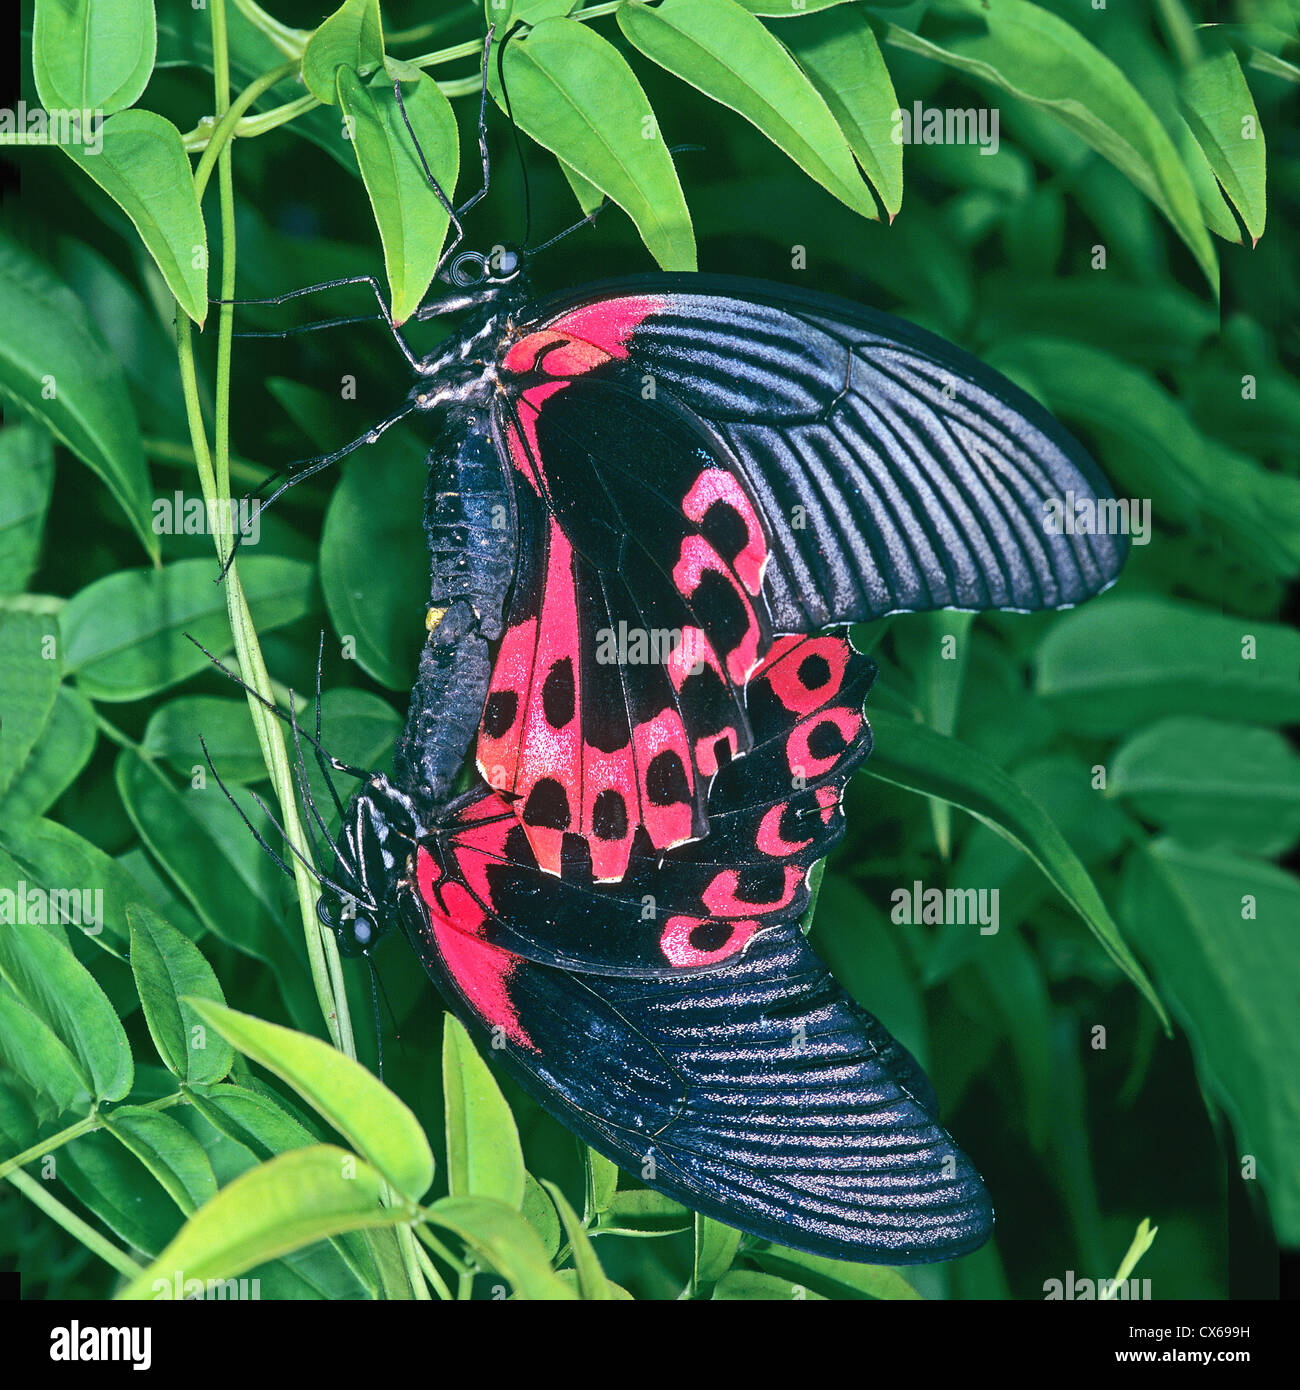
(615, 908)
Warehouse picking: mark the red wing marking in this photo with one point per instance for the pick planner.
(497, 754)
(706, 750)
(611, 809)
(721, 900)
(609, 323)
(808, 674)
(816, 744)
(697, 558)
(481, 971)
(714, 486)
(548, 777)
(828, 798)
(770, 839)
(698, 941)
(663, 759)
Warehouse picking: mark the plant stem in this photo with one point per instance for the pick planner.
(290, 42)
(80, 1230)
(214, 140)
(91, 1123)
(320, 944)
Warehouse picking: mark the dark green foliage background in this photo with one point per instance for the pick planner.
(1077, 1143)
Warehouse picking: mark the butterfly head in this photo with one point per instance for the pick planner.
(359, 903)
(502, 265)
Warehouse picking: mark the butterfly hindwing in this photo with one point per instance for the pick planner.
(678, 1021)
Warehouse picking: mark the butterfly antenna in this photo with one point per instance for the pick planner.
(280, 864)
(323, 879)
(320, 757)
(308, 803)
(514, 135)
(336, 763)
(374, 1000)
(257, 835)
(300, 471)
(605, 202)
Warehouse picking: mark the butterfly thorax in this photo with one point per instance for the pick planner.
(462, 371)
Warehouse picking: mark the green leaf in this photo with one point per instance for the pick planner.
(715, 1249)
(1222, 117)
(143, 167)
(277, 1207)
(124, 635)
(835, 1278)
(57, 859)
(728, 55)
(258, 1121)
(748, 1284)
(363, 730)
(372, 559)
(352, 37)
(360, 1107)
(503, 12)
(412, 221)
(644, 1213)
(840, 56)
(539, 1211)
(1155, 451)
(167, 966)
(1039, 57)
(26, 482)
(31, 1051)
(1123, 662)
(111, 1182)
(591, 1281)
(62, 751)
(602, 1182)
(934, 647)
(29, 663)
(505, 1240)
(483, 1154)
(1219, 932)
(1208, 782)
(93, 55)
(54, 366)
(62, 993)
(169, 1151)
(787, 9)
(912, 756)
(574, 93)
(588, 195)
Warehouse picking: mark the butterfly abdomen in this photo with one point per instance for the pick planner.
(469, 520)
(470, 523)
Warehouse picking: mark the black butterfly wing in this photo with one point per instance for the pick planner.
(678, 1021)
(760, 1094)
(725, 460)
(894, 471)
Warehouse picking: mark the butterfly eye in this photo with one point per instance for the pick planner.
(469, 268)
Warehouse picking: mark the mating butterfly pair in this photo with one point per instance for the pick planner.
(729, 467)
(799, 463)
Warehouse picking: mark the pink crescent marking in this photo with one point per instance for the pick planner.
(721, 900)
(797, 752)
(676, 941)
(770, 839)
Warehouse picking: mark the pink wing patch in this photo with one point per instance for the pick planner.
(481, 971)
